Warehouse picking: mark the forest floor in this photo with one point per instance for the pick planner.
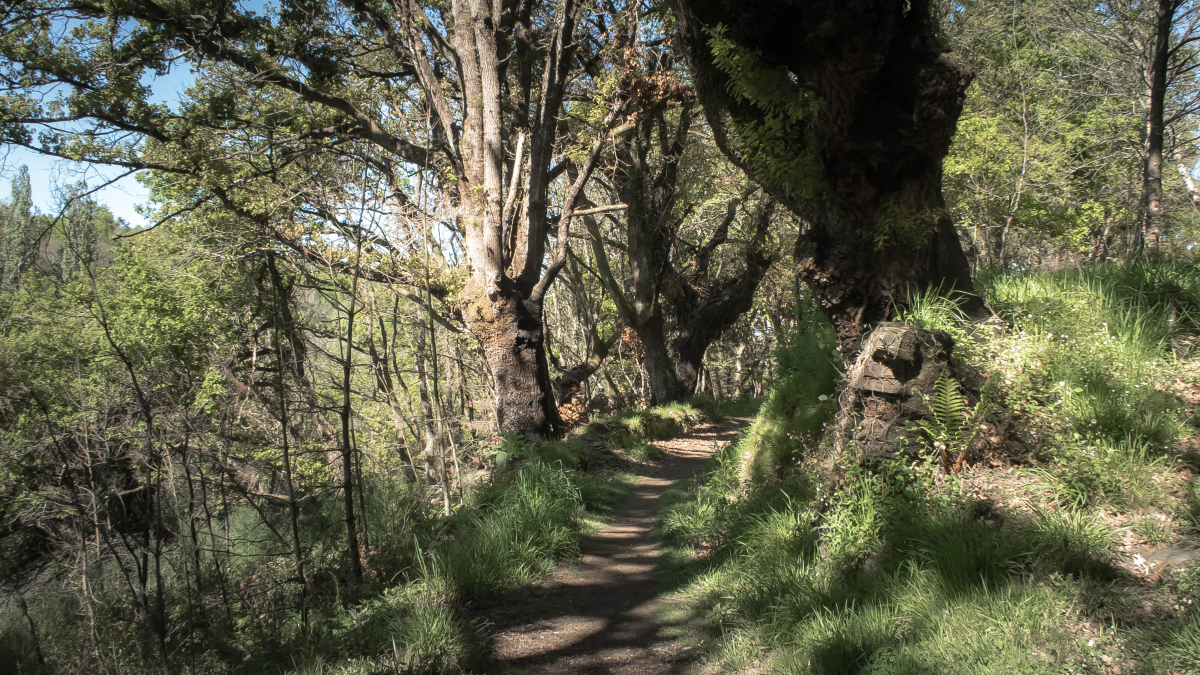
(602, 613)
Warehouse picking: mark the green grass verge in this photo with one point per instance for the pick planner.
(787, 560)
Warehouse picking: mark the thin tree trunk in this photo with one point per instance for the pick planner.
(1020, 190)
(427, 420)
(191, 514)
(386, 384)
(33, 634)
(444, 469)
(1099, 252)
(1153, 221)
(352, 547)
(1188, 180)
(159, 592)
(295, 359)
(362, 497)
(290, 484)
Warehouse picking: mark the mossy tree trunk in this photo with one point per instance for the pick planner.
(843, 111)
(509, 328)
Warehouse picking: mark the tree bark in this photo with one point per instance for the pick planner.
(660, 367)
(347, 450)
(650, 196)
(509, 327)
(570, 384)
(489, 78)
(701, 309)
(1152, 221)
(869, 99)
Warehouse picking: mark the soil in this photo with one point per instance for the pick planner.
(599, 615)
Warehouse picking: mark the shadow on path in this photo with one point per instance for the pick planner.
(597, 616)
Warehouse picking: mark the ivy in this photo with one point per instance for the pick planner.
(902, 224)
(790, 111)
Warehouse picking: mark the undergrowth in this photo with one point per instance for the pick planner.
(409, 613)
(633, 430)
(424, 572)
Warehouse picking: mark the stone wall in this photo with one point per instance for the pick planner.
(885, 391)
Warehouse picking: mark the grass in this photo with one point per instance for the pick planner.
(411, 630)
(1093, 347)
(1090, 473)
(520, 526)
(791, 421)
(742, 407)
(634, 430)
(788, 560)
(890, 579)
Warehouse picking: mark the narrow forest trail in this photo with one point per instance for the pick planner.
(597, 615)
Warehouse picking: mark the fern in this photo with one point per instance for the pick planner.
(951, 424)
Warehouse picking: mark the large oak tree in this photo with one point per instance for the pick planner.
(843, 110)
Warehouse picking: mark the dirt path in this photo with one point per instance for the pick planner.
(597, 616)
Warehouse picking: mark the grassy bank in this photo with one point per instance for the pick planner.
(791, 559)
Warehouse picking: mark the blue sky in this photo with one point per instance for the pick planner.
(48, 175)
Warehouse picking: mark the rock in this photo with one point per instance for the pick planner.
(1181, 554)
(886, 389)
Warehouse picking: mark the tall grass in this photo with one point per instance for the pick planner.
(887, 570)
(1093, 347)
(522, 525)
(792, 420)
(882, 578)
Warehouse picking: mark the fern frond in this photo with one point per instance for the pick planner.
(950, 423)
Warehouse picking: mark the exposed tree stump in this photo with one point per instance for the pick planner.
(886, 389)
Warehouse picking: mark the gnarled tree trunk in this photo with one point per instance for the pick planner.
(699, 308)
(509, 327)
(843, 110)
(704, 308)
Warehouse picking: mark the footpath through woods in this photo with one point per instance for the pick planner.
(598, 615)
